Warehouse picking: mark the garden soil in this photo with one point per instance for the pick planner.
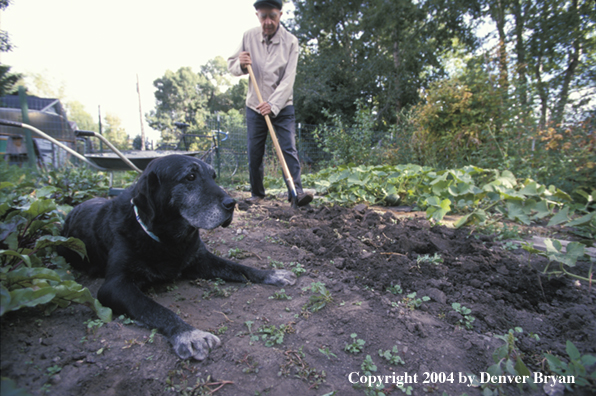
(358, 253)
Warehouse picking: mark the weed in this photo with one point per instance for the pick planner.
(467, 319)
(395, 289)
(251, 362)
(215, 290)
(327, 352)
(53, 370)
(296, 365)
(392, 356)
(356, 346)
(576, 366)
(275, 264)
(412, 302)
(316, 302)
(280, 295)
(274, 336)
(125, 320)
(436, 259)
(508, 361)
(237, 253)
(93, 325)
(297, 269)
(511, 246)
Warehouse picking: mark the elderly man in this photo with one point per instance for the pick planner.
(273, 54)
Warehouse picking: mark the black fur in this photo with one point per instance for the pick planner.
(176, 196)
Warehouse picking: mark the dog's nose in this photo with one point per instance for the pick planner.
(229, 203)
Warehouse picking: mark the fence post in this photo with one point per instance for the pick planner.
(28, 138)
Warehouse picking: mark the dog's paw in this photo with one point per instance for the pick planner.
(195, 343)
(281, 278)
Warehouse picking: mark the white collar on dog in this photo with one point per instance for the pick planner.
(152, 235)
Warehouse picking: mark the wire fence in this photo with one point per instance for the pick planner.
(312, 150)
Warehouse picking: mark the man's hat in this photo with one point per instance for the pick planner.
(268, 3)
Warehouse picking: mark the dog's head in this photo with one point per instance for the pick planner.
(181, 186)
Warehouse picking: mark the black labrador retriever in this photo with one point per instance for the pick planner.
(150, 234)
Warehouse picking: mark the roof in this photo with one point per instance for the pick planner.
(45, 105)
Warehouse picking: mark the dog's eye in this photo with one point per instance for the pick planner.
(191, 177)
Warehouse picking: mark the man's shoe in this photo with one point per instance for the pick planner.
(253, 200)
(304, 199)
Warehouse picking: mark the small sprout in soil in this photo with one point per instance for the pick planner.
(296, 365)
(392, 356)
(275, 264)
(236, 253)
(318, 301)
(93, 325)
(327, 353)
(368, 366)
(221, 330)
(125, 320)
(280, 295)
(53, 370)
(271, 335)
(251, 362)
(467, 319)
(297, 269)
(436, 259)
(511, 246)
(395, 289)
(357, 344)
(508, 361)
(412, 302)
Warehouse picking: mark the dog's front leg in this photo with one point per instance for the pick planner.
(123, 296)
(209, 266)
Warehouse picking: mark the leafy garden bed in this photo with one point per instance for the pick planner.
(379, 293)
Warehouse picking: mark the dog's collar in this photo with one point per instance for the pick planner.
(152, 235)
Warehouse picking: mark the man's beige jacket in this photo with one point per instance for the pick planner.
(274, 64)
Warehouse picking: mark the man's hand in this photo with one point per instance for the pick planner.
(265, 109)
(244, 59)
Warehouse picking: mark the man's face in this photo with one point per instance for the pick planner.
(269, 18)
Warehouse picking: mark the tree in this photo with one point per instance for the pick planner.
(380, 51)
(186, 96)
(76, 113)
(8, 80)
(179, 98)
(114, 132)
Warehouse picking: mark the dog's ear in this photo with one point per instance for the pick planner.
(145, 194)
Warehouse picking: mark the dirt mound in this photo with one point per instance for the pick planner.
(371, 260)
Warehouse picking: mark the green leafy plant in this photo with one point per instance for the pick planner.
(576, 366)
(280, 295)
(554, 253)
(467, 320)
(412, 302)
(319, 299)
(395, 289)
(297, 269)
(31, 272)
(436, 259)
(508, 361)
(356, 345)
(327, 353)
(392, 356)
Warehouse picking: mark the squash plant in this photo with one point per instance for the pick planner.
(31, 272)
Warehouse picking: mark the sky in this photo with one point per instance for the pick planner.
(96, 49)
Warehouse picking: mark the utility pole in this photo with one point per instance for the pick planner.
(141, 116)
